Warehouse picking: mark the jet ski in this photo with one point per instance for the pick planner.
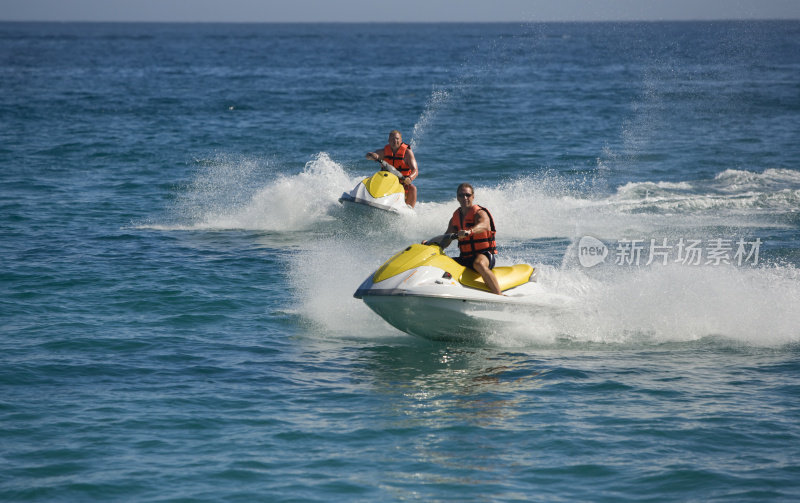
(424, 292)
(382, 190)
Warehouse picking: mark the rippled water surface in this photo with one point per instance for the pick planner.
(176, 311)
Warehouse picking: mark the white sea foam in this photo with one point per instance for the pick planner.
(647, 305)
(658, 305)
(438, 99)
(732, 190)
(735, 180)
(242, 193)
(753, 306)
(323, 278)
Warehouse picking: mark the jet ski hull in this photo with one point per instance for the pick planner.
(443, 318)
(385, 204)
(423, 292)
(382, 190)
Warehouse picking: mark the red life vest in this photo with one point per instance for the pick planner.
(397, 159)
(480, 241)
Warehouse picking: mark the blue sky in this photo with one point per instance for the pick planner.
(400, 11)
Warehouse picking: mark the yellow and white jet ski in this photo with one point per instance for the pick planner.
(382, 190)
(424, 292)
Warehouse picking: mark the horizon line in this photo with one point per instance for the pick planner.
(554, 21)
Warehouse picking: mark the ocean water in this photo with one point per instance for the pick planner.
(176, 311)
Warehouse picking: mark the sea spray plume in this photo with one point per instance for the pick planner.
(479, 64)
(232, 192)
(539, 205)
(221, 184)
(437, 100)
(671, 94)
(546, 205)
(638, 132)
(678, 303)
(324, 275)
(296, 202)
(748, 307)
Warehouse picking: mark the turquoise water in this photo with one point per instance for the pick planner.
(176, 311)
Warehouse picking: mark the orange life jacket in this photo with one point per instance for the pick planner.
(480, 241)
(397, 159)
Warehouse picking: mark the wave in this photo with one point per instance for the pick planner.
(240, 193)
(615, 307)
(673, 304)
(737, 190)
(232, 193)
(611, 305)
(734, 180)
(672, 202)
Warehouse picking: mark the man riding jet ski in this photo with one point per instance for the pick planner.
(382, 190)
(422, 291)
(400, 156)
(390, 188)
(473, 226)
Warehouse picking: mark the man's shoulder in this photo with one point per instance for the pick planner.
(479, 209)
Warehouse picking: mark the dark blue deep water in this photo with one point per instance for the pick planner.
(176, 274)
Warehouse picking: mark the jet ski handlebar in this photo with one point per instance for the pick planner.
(385, 166)
(441, 237)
